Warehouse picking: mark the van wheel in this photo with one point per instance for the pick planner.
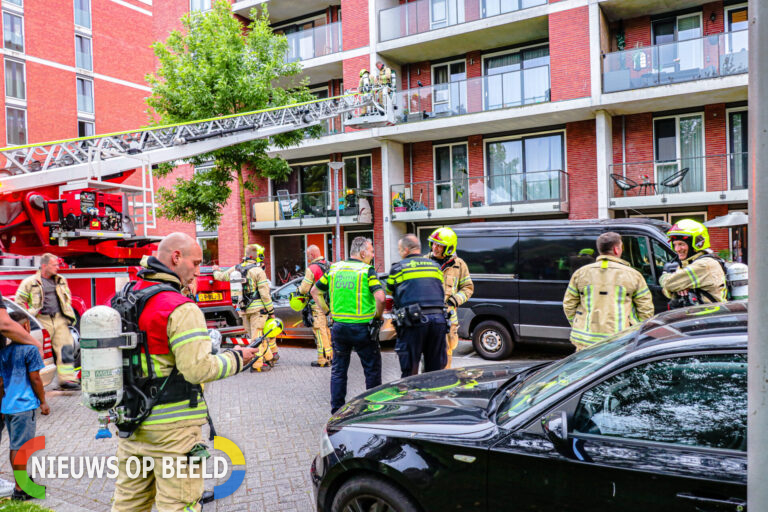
(492, 340)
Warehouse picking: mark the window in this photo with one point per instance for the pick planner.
(661, 256)
(20, 3)
(738, 147)
(449, 85)
(199, 5)
(446, 12)
(693, 401)
(357, 172)
(490, 255)
(555, 258)
(83, 13)
(210, 248)
(518, 78)
(84, 95)
(638, 254)
(85, 129)
(16, 126)
(83, 55)
(14, 80)
(736, 25)
(306, 190)
(13, 32)
(525, 169)
(680, 47)
(679, 144)
(451, 175)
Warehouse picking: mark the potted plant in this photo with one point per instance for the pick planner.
(397, 202)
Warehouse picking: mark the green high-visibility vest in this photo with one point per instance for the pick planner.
(349, 287)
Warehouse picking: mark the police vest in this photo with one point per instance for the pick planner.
(416, 280)
(351, 299)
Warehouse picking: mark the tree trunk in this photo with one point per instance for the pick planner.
(243, 207)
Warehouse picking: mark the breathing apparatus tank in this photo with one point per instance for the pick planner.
(236, 287)
(737, 277)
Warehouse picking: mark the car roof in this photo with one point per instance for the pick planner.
(602, 224)
(724, 323)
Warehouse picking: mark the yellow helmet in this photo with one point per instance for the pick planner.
(297, 302)
(255, 248)
(363, 71)
(693, 233)
(273, 327)
(445, 237)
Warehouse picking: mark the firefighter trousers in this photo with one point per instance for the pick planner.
(452, 337)
(63, 345)
(322, 336)
(254, 327)
(169, 494)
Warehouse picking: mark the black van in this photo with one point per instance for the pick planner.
(521, 271)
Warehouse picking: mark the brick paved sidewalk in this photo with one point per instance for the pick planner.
(276, 418)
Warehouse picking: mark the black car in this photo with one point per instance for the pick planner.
(521, 270)
(652, 419)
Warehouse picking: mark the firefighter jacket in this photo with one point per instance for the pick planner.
(416, 280)
(699, 272)
(178, 337)
(351, 285)
(458, 283)
(256, 290)
(313, 274)
(604, 298)
(30, 295)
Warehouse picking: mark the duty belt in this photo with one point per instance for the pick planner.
(432, 311)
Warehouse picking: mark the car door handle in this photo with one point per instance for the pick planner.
(737, 504)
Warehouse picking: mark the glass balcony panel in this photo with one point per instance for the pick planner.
(314, 42)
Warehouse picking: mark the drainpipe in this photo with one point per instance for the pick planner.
(623, 146)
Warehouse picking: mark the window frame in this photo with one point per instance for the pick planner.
(26, 126)
(12, 99)
(448, 103)
(192, 9)
(728, 112)
(272, 268)
(88, 121)
(90, 16)
(23, 31)
(511, 51)
(703, 156)
(93, 95)
(90, 51)
(357, 158)
(451, 180)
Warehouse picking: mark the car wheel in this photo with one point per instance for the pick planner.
(492, 340)
(366, 494)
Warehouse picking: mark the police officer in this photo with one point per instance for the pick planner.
(318, 267)
(177, 338)
(700, 278)
(47, 296)
(357, 299)
(258, 300)
(605, 297)
(458, 283)
(416, 286)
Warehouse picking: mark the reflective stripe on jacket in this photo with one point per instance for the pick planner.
(259, 283)
(30, 295)
(351, 284)
(604, 298)
(416, 280)
(697, 272)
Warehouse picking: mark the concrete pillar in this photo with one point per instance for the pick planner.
(392, 171)
(604, 147)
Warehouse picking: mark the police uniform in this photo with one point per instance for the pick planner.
(177, 338)
(320, 328)
(604, 298)
(699, 273)
(458, 290)
(55, 318)
(416, 286)
(351, 285)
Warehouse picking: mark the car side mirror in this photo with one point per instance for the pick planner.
(555, 427)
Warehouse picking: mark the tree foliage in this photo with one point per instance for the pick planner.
(213, 67)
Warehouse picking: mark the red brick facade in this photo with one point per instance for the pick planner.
(569, 54)
(582, 169)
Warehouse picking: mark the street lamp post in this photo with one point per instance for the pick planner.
(335, 168)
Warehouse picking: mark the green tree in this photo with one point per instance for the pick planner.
(213, 67)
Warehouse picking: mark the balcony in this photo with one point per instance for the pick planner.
(712, 56)
(480, 94)
(310, 209)
(314, 42)
(705, 180)
(532, 193)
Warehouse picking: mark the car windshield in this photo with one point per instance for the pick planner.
(551, 379)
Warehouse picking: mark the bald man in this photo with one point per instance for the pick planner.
(180, 354)
(317, 268)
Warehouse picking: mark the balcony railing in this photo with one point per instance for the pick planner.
(480, 191)
(479, 94)
(312, 205)
(710, 173)
(314, 42)
(425, 15)
(682, 61)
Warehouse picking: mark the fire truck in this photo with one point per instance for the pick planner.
(90, 200)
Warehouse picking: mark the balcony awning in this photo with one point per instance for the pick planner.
(727, 221)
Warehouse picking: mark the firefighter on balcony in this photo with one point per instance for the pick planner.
(699, 278)
(181, 359)
(47, 297)
(318, 267)
(458, 283)
(605, 297)
(386, 80)
(257, 302)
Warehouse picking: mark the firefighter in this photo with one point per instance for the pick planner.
(458, 283)
(258, 302)
(605, 297)
(181, 357)
(356, 306)
(416, 286)
(700, 278)
(386, 79)
(47, 296)
(318, 267)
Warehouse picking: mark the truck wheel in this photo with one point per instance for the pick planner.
(492, 340)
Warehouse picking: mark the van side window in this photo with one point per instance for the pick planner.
(555, 258)
(638, 254)
(661, 255)
(489, 255)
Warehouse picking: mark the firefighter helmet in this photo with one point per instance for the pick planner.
(363, 72)
(297, 302)
(445, 237)
(255, 251)
(693, 233)
(273, 327)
